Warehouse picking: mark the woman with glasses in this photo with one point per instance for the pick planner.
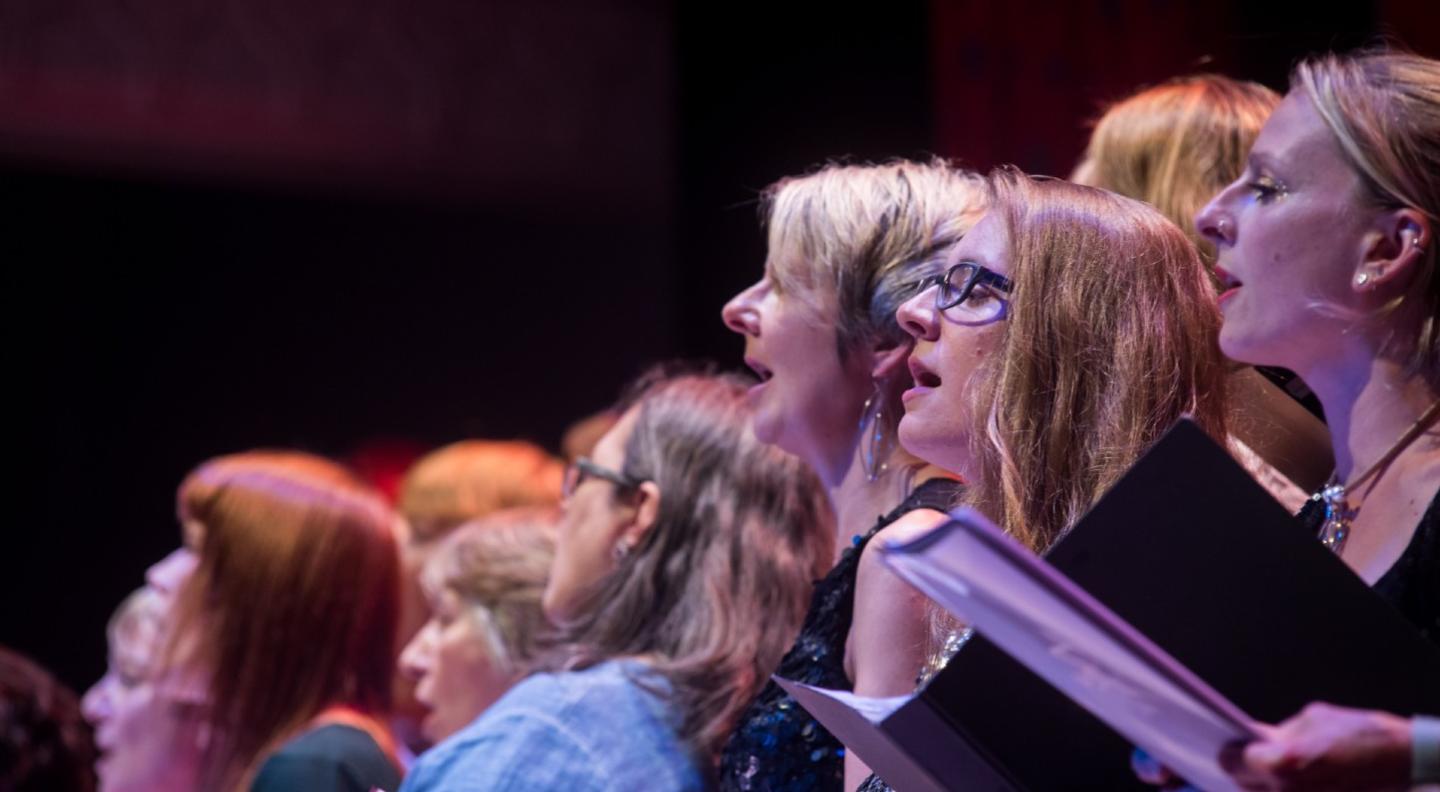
(846, 244)
(1071, 328)
(683, 563)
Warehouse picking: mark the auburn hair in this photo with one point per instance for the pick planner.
(292, 607)
(472, 478)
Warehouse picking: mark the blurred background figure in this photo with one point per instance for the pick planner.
(581, 436)
(443, 490)
(289, 617)
(45, 745)
(1175, 146)
(150, 721)
(482, 585)
(683, 565)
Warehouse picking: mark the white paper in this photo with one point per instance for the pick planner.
(1042, 619)
(853, 720)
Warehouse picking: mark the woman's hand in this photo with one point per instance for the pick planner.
(1326, 747)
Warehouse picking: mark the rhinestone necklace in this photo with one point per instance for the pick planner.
(1339, 515)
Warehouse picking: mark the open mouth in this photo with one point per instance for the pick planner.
(1227, 281)
(923, 376)
(1229, 285)
(760, 370)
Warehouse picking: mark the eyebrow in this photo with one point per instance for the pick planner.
(1261, 161)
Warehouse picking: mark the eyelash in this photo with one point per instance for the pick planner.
(1266, 189)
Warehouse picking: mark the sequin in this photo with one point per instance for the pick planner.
(777, 746)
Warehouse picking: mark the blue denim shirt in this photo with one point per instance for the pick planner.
(575, 731)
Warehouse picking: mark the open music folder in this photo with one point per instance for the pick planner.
(1184, 608)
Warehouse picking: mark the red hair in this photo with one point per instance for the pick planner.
(292, 608)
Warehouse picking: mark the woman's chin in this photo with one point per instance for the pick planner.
(947, 451)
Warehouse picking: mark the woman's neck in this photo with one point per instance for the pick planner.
(858, 502)
(1368, 406)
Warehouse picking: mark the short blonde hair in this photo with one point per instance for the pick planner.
(498, 565)
(861, 233)
(1178, 144)
(472, 478)
(1384, 109)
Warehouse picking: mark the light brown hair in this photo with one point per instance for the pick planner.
(719, 584)
(1384, 109)
(292, 607)
(1178, 144)
(498, 565)
(472, 478)
(1110, 337)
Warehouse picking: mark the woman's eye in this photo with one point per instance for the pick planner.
(980, 295)
(1266, 188)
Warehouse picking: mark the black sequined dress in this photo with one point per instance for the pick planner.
(777, 746)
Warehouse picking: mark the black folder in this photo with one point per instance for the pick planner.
(1194, 554)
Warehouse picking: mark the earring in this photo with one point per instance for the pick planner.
(875, 443)
(621, 551)
(1362, 279)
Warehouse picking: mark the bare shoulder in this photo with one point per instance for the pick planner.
(888, 637)
(910, 525)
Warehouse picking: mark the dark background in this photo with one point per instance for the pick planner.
(357, 226)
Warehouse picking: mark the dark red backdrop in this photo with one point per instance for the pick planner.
(250, 223)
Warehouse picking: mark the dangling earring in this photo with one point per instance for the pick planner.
(875, 443)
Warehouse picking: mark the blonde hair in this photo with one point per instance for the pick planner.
(718, 586)
(1383, 108)
(1110, 337)
(497, 565)
(292, 606)
(140, 622)
(860, 232)
(1178, 144)
(472, 478)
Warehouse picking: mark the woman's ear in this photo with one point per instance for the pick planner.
(886, 360)
(1395, 251)
(646, 512)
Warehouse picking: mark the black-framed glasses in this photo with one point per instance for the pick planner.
(582, 468)
(958, 282)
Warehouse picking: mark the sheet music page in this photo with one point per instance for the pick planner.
(854, 721)
(1065, 636)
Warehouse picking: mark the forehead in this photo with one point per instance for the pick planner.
(1296, 136)
(987, 244)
